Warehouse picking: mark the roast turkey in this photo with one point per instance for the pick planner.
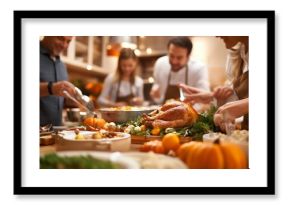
(173, 114)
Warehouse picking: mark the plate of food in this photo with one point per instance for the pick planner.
(125, 113)
(87, 160)
(93, 140)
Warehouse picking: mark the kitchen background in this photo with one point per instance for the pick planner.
(90, 58)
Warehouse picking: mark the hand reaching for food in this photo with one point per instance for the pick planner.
(230, 111)
(195, 95)
(136, 101)
(60, 86)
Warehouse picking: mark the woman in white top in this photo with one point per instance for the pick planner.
(233, 98)
(123, 87)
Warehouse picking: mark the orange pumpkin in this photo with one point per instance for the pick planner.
(94, 122)
(202, 155)
(234, 156)
(170, 141)
(154, 146)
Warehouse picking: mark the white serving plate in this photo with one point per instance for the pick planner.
(65, 140)
(150, 160)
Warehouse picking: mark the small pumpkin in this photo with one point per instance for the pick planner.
(203, 155)
(94, 122)
(170, 141)
(155, 131)
(154, 146)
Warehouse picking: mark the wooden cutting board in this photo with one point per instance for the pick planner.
(141, 139)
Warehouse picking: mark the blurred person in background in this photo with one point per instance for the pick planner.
(53, 79)
(176, 68)
(237, 89)
(123, 87)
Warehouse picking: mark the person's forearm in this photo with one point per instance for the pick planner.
(244, 106)
(43, 89)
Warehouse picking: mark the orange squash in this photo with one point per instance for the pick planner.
(154, 146)
(234, 156)
(94, 122)
(170, 141)
(202, 155)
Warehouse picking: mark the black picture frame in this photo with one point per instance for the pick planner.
(269, 16)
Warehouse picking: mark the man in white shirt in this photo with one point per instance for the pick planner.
(176, 68)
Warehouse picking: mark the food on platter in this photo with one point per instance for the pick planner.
(173, 114)
(101, 140)
(203, 124)
(129, 108)
(124, 113)
(101, 134)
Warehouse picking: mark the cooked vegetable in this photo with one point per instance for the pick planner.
(54, 161)
(169, 130)
(79, 137)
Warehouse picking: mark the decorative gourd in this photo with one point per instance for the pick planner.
(219, 155)
(154, 146)
(170, 141)
(94, 122)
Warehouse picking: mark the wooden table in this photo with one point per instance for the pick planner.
(45, 149)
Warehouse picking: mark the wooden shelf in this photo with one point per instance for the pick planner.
(153, 54)
(80, 68)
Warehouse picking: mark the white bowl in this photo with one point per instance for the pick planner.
(65, 140)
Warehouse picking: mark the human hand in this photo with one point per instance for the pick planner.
(227, 113)
(60, 86)
(202, 97)
(120, 104)
(223, 92)
(155, 92)
(189, 89)
(136, 101)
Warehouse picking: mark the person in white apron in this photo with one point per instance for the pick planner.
(123, 87)
(175, 68)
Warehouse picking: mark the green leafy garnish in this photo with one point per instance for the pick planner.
(54, 161)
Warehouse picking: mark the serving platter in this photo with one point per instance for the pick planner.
(66, 140)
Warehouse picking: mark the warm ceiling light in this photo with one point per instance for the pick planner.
(137, 52)
(149, 50)
(89, 67)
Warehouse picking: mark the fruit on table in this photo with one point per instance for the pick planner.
(154, 145)
(155, 131)
(219, 155)
(79, 137)
(94, 122)
(170, 141)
